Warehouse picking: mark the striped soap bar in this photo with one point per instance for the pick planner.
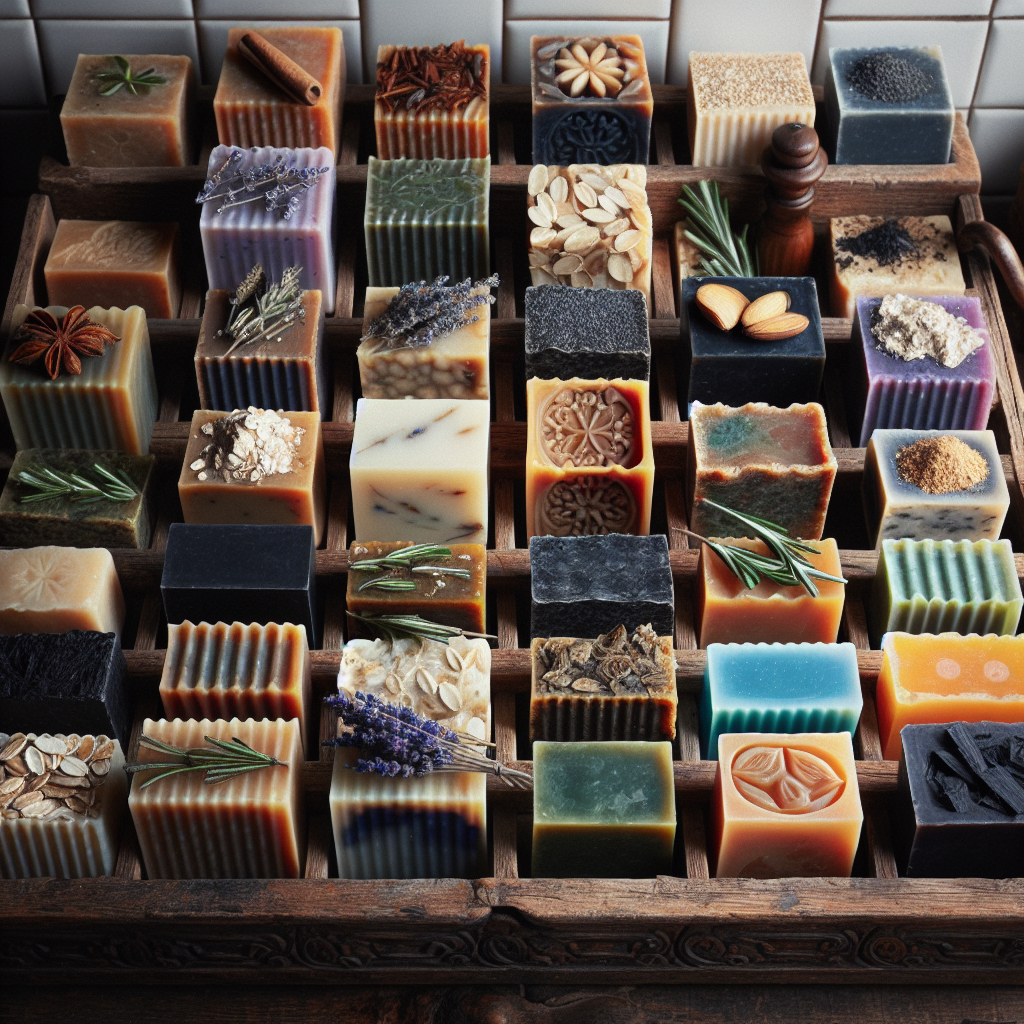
(930, 586)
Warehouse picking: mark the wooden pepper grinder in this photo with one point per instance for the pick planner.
(792, 164)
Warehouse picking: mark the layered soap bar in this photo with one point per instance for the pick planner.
(943, 485)
(419, 470)
(736, 100)
(589, 333)
(592, 100)
(67, 519)
(71, 682)
(148, 126)
(250, 826)
(586, 586)
(785, 806)
(729, 612)
(776, 464)
(111, 404)
(603, 810)
(616, 687)
(930, 586)
(589, 461)
(947, 678)
(959, 809)
(64, 798)
(778, 688)
(252, 110)
(427, 218)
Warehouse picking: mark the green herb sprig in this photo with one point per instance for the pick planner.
(123, 76)
(414, 627)
(403, 559)
(49, 483)
(261, 311)
(723, 252)
(221, 763)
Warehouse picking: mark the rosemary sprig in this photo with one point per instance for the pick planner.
(52, 483)
(414, 627)
(225, 761)
(402, 558)
(723, 252)
(123, 76)
(262, 311)
(386, 583)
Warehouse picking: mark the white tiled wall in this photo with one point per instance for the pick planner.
(982, 40)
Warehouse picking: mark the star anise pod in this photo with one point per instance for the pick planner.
(61, 341)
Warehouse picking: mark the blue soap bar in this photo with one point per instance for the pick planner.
(778, 688)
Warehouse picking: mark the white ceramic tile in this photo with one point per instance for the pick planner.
(906, 8)
(998, 139)
(14, 9)
(21, 73)
(293, 10)
(740, 26)
(519, 9)
(518, 33)
(1009, 9)
(213, 41)
(128, 9)
(1001, 83)
(962, 42)
(427, 23)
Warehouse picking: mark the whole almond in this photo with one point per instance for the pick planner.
(721, 304)
(764, 308)
(786, 325)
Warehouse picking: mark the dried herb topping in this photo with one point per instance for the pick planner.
(888, 244)
(444, 77)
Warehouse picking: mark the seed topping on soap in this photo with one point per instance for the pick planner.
(889, 77)
(247, 446)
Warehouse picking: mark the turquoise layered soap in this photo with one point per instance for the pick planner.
(778, 688)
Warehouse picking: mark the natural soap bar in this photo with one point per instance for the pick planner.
(780, 688)
(947, 678)
(603, 810)
(785, 806)
(589, 462)
(586, 586)
(419, 470)
(251, 826)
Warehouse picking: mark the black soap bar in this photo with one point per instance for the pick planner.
(729, 367)
(585, 586)
(256, 574)
(587, 332)
(959, 809)
(70, 682)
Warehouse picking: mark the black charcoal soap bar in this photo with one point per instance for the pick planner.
(256, 574)
(70, 682)
(959, 810)
(585, 586)
(587, 332)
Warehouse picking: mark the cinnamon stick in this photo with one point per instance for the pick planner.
(298, 83)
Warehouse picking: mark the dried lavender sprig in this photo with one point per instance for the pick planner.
(263, 312)
(279, 184)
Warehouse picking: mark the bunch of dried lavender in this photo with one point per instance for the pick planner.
(262, 311)
(421, 312)
(280, 184)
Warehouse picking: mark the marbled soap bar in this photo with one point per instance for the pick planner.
(251, 110)
(736, 100)
(288, 372)
(85, 524)
(603, 810)
(587, 332)
(150, 126)
(456, 598)
(616, 687)
(589, 461)
(897, 507)
(252, 826)
(785, 806)
(427, 218)
(947, 678)
(729, 612)
(888, 106)
(929, 586)
(922, 394)
(778, 688)
(592, 100)
(64, 682)
(419, 470)
(586, 586)
(238, 238)
(64, 798)
(959, 808)
(111, 404)
(773, 463)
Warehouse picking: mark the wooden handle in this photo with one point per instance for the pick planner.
(280, 69)
(980, 234)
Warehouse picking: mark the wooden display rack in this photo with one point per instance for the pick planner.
(509, 928)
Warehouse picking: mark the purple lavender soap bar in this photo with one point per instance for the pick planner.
(922, 394)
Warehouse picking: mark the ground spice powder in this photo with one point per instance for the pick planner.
(941, 465)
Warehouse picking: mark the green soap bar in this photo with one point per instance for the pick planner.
(603, 809)
(81, 524)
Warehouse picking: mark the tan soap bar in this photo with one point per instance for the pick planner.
(52, 589)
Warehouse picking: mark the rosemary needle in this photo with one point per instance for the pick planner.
(723, 252)
(49, 483)
(221, 763)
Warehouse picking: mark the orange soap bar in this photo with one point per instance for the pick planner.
(932, 679)
(115, 263)
(785, 806)
(730, 613)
